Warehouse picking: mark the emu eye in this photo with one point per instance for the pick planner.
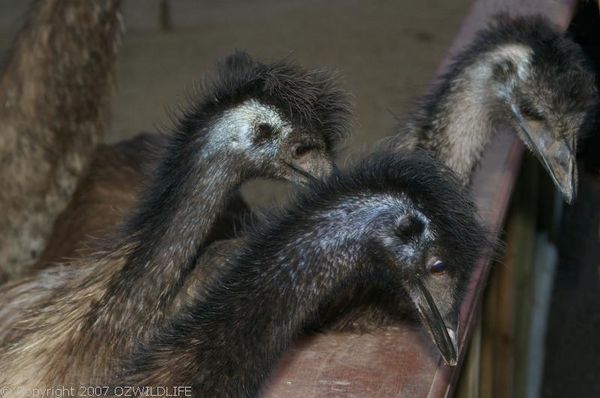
(300, 150)
(437, 268)
(503, 70)
(529, 112)
(265, 131)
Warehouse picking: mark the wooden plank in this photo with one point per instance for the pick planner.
(402, 361)
(507, 301)
(470, 379)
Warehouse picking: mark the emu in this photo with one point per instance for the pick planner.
(68, 325)
(55, 88)
(119, 173)
(398, 223)
(521, 72)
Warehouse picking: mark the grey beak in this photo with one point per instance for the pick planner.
(444, 337)
(311, 169)
(557, 157)
(300, 176)
(561, 163)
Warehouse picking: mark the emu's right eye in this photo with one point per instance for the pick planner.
(437, 268)
(529, 112)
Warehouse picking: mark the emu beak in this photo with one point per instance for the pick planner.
(444, 337)
(300, 176)
(562, 166)
(314, 170)
(557, 157)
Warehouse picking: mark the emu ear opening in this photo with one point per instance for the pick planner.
(409, 227)
(503, 70)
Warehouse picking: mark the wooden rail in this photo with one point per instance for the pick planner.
(402, 361)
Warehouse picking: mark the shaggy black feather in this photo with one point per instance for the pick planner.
(296, 262)
(309, 98)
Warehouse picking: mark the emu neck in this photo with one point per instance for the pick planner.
(168, 232)
(55, 88)
(457, 119)
(466, 129)
(227, 344)
(461, 123)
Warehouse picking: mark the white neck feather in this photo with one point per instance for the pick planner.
(470, 107)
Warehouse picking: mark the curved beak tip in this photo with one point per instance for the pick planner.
(558, 157)
(566, 182)
(569, 196)
(446, 338)
(451, 357)
(563, 171)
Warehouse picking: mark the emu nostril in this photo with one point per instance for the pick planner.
(300, 150)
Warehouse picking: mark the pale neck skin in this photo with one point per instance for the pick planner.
(460, 125)
(264, 303)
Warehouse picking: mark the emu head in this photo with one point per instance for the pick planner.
(423, 238)
(431, 272)
(409, 245)
(547, 93)
(283, 121)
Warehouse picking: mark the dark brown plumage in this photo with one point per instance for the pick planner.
(55, 92)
